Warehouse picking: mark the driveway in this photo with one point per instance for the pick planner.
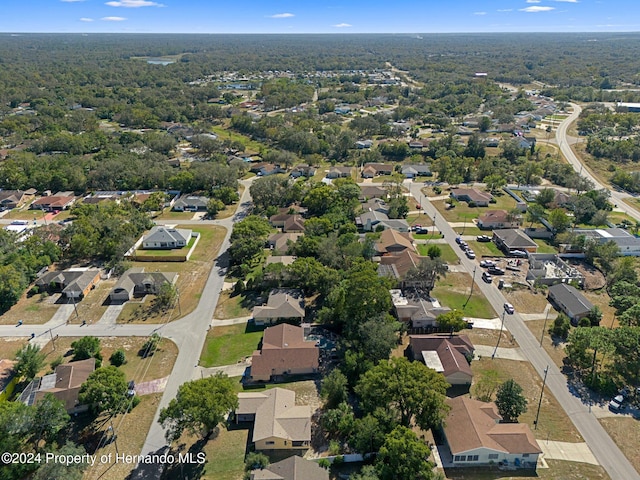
(501, 352)
(61, 316)
(110, 315)
(569, 452)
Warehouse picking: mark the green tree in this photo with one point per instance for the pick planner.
(199, 407)
(368, 435)
(333, 389)
(86, 347)
(424, 276)
(434, 251)
(30, 361)
(255, 461)
(167, 295)
(545, 197)
(105, 390)
(404, 455)
(49, 418)
(68, 471)
(368, 472)
(559, 220)
(118, 358)
(486, 385)
(339, 422)
(560, 327)
(510, 401)
(214, 206)
(150, 345)
(411, 389)
(495, 182)
(594, 316)
(452, 321)
(535, 213)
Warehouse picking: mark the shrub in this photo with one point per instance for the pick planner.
(150, 346)
(560, 327)
(118, 358)
(56, 362)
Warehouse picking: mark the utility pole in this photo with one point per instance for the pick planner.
(499, 336)
(544, 326)
(544, 382)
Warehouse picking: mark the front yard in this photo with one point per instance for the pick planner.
(446, 252)
(454, 290)
(230, 344)
(463, 212)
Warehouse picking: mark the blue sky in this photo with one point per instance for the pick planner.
(336, 16)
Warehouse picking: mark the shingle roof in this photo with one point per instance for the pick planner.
(514, 238)
(451, 350)
(292, 468)
(571, 298)
(282, 303)
(391, 238)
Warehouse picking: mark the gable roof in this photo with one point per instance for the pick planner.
(472, 424)
(372, 191)
(394, 240)
(276, 414)
(72, 281)
(398, 265)
(514, 238)
(571, 299)
(450, 352)
(66, 381)
(191, 201)
(282, 303)
(494, 216)
(284, 347)
(293, 223)
(472, 194)
(160, 234)
(279, 241)
(292, 468)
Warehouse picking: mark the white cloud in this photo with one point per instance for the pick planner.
(537, 9)
(85, 19)
(479, 13)
(533, 1)
(113, 19)
(133, 3)
(505, 10)
(282, 15)
(343, 25)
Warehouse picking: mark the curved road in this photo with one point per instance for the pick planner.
(604, 449)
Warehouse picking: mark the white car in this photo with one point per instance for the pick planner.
(470, 253)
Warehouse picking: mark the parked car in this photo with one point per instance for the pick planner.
(483, 238)
(509, 308)
(415, 228)
(615, 405)
(470, 253)
(487, 277)
(464, 245)
(518, 253)
(458, 240)
(495, 270)
(487, 263)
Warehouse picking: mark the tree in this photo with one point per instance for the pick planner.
(86, 347)
(333, 389)
(486, 385)
(255, 461)
(434, 251)
(424, 276)
(214, 205)
(495, 182)
(118, 358)
(167, 295)
(49, 418)
(535, 213)
(368, 435)
(68, 471)
(376, 336)
(545, 197)
(150, 345)
(411, 389)
(105, 390)
(600, 218)
(510, 401)
(30, 361)
(561, 326)
(368, 472)
(559, 220)
(404, 455)
(339, 422)
(452, 321)
(594, 316)
(199, 406)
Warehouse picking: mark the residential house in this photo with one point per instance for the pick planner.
(64, 384)
(570, 301)
(103, 196)
(340, 172)
(491, 142)
(283, 259)
(361, 144)
(561, 199)
(135, 282)
(375, 205)
(191, 203)
(269, 169)
(278, 423)
(166, 238)
(472, 196)
(497, 219)
(368, 192)
(415, 310)
(371, 170)
(369, 221)
(72, 283)
(293, 224)
(476, 437)
(549, 269)
(392, 242)
(512, 239)
(279, 242)
(446, 354)
(303, 170)
(12, 199)
(53, 203)
(397, 266)
(628, 245)
(282, 304)
(284, 352)
(292, 468)
(416, 170)
(8, 379)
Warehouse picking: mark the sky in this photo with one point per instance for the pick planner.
(336, 16)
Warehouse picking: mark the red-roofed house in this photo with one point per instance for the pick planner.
(445, 354)
(472, 195)
(52, 203)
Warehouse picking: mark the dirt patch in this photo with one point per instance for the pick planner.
(526, 301)
(593, 278)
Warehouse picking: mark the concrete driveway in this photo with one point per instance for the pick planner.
(110, 315)
(569, 452)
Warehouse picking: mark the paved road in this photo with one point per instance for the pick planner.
(565, 146)
(605, 450)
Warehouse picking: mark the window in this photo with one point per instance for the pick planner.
(270, 443)
(460, 458)
(456, 458)
(493, 456)
(525, 455)
(472, 458)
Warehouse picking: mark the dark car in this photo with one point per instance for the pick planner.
(487, 277)
(495, 270)
(483, 238)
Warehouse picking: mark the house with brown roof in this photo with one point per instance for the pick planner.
(54, 202)
(371, 170)
(64, 384)
(446, 354)
(497, 219)
(392, 242)
(279, 242)
(282, 304)
(294, 224)
(472, 196)
(397, 266)
(303, 170)
(368, 192)
(284, 352)
(12, 199)
(340, 172)
(72, 283)
(416, 310)
(292, 468)
(476, 437)
(278, 423)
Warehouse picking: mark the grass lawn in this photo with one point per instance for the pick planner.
(544, 246)
(469, 229)
(483, 336)
(225, 454)
(168, 214)
(427, 236)
(558, 469)
(230, 344)
(626, 433)
(31, 309)
(24, 214)
(225, 134)
(447, 253)
(192, 276)
(10, 345)
(485, 249)
(453, 292)
(553, 421)
(554, 350)
(235, 306)
(93, 305)
(601, 299)
(463, 211)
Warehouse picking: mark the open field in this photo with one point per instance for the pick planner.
(192, 276)
(10, 345)
(554, 350)
(453, 292)
(31, 309)
(482, 336)
(485, 249)
(545, 247)
(625, 432)
(230, 344)
(525, 301)
(91, 308)
(446, 251)
(225, 454)
(462, 211)
(168, 214)
(554, 424)
(469, 229)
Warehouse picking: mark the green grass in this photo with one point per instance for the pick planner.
(227, 345)
(225, 133)
(462, 211)
(447, 252)
(453, 292)
(544, 247)
(225, 454)
(171, 215)
(470, 229)
(235, 306)
(487, 249)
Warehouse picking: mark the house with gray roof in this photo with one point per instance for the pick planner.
(340, 172)
(166, 238)
(71, 283)
(191, 203)
(511, 239)
(292, 468)
(135, 282)
(628, 245)
(416, 170)
(282, 304)
(570, 301)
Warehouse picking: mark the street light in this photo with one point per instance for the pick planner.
(544, 381)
